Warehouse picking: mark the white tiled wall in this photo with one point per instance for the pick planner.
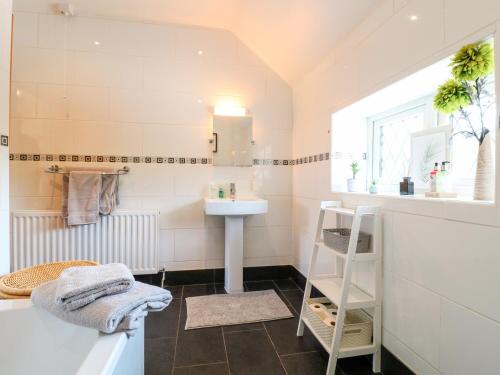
(101, 87)
(441, 262)
(5, 37)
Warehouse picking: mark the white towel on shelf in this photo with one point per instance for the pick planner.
(79, 286)
(116, 313)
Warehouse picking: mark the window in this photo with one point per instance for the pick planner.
(440, 113)
(389, 137)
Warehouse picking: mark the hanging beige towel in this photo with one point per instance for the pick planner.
(109, 194)
(84, 192)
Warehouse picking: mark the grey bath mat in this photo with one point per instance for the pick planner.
(239, 308)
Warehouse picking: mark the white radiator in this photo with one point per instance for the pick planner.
(129, 237)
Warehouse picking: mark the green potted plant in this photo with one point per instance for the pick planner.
(373, 187)
(466, 98)
(354, 185)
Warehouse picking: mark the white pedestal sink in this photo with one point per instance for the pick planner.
(234, 211)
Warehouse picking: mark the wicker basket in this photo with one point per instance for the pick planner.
(19, 284)
(338, 239)
(358, 325)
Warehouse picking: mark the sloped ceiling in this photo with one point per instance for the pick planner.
(291, 36)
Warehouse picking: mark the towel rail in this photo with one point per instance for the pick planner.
(57, 169)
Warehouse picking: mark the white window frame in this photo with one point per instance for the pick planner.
(431, 120)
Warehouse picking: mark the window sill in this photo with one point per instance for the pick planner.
(419, 197)
(455, 209)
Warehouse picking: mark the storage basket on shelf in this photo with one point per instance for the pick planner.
(338, 238)
(358, 325)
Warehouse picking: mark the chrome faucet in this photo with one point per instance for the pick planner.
(232, 190)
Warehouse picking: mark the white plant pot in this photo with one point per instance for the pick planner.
(353, 185)
(484, 184)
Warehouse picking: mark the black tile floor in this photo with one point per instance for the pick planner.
(259, 348)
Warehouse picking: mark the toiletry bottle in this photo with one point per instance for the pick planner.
(221, 192)
(213, 192)
(443, 178)
(447, 184)
(433, 178)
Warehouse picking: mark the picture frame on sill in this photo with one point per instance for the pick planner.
(428, 147)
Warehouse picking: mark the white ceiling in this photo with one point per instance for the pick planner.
(291, 36)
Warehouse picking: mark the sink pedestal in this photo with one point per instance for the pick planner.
(233, 260)
(234, 211)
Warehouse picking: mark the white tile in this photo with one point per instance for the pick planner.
(104, 69)
(425, 36)
(469, 342)
(215, 45)
(436, 264)
(267, 242)
(52, 102)
(51, 31)
(199, 244)
(139, 182)
(412, 314)
(49, 67)
(185, 141)
(25, 29)
(31, 136)
(167, 247)
(101, 138)
(83, 33)
(271, 143)
(461, 21)
(23, 99)
(4, 179)
(178, 212)
(88, 103)
(192, 180)
(28, 179)
(411, 359)
(279, 212)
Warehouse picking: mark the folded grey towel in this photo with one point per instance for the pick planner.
(119, 312)
(79, 286)
(109, 194)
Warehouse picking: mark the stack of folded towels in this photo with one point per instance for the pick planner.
(104, 297)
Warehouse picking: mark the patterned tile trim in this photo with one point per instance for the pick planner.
(328, 156)
(132, 159)
(4, 140)
(109, 159)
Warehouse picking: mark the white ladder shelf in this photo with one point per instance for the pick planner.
(339, 288)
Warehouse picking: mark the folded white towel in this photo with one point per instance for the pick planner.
(79, 286)
(119, 312)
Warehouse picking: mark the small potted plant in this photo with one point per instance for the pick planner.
(374, 187)
(354, 185)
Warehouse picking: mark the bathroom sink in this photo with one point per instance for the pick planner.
(235, 207)
(234, 211)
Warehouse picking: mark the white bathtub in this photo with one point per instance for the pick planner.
(34, 342)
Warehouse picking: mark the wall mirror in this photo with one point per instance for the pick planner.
(232, 141)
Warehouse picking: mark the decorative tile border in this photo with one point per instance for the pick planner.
(109, 159)
(61, 158)
(4, 140)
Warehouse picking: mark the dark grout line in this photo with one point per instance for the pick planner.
(203, 364)
(243, 330)
(276, 351)
(178, 327)
(292, 354)
(225, 349)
